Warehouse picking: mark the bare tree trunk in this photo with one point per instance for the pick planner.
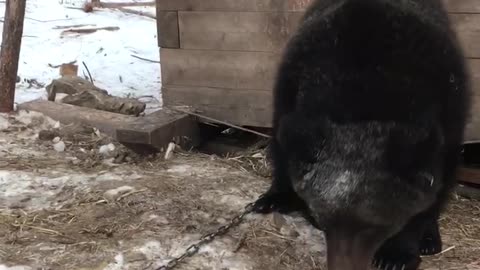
(10, 52)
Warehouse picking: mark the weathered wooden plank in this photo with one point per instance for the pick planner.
(233, 5)
(462, 6)
(472, 131)
(467, 27)
(458, 6)
(253, 107)
(154, 130)
(167, 29)
(468, 192)
(106, 122)
(222, 69)
(469, 175)
(240, 31)
(240, 107)
(269, 31)
(160, 128)
(232, 69)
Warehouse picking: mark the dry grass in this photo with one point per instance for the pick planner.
(460, 228)
(86, 228)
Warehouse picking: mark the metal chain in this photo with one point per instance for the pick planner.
(207, 238)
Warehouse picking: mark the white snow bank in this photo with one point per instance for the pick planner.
(107, 54)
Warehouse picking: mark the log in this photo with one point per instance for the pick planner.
(160, 128)
(150, 133)
(10, 52)
(468, 192)
(81, 92)
(106, 122)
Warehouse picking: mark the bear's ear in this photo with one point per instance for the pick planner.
(301, 138)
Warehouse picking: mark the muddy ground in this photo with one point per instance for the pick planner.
(88, 209)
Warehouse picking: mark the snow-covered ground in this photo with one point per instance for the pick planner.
(107, 54)
(58, 212)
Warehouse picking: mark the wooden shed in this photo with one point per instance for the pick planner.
(219, 56)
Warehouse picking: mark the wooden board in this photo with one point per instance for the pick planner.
(236, 70)
(467, 27)
(160, 128)
(221, 69)
(237, 31)
(167, 29)
(472, 131)
(468, 192)
(264, 31)
(462, 6)
(106, 122)
(253, 107)
(155, 130)
(246, 107)
(469, 175)
(233, 5)
(457, 6)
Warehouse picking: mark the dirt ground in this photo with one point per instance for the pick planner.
(85, 208)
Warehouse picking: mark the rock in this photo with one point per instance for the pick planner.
(106, 149)
(59, 146)
(47, 135)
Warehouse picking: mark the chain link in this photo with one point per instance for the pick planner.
(207, 238)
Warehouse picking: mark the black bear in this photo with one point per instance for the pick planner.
(370, 104)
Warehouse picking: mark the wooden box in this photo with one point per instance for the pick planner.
(220, 56)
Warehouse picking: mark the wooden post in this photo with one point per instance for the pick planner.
(10, 52)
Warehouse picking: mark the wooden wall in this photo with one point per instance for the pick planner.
(219, 56)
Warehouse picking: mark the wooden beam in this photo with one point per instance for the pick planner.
(467, 27)
(472, 131)
(160, 128)
(233, 5)
(238, 107)
(469, 175)
(106, 122)
(457, 6)
(462, 6)
(237, 31)
(167, 29)
(213, 82)
(270, 31)
(221, 69)
(153, 131)
(468, 192)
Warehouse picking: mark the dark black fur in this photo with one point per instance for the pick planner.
(378, 88)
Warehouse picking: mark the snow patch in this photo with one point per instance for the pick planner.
(106, 149)
(36, 190)
(115, 193)
(117, 265)
(59, 146)
(150, 249)
(4, 267)
(4, 124)
(180, 169)
(109, 55)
